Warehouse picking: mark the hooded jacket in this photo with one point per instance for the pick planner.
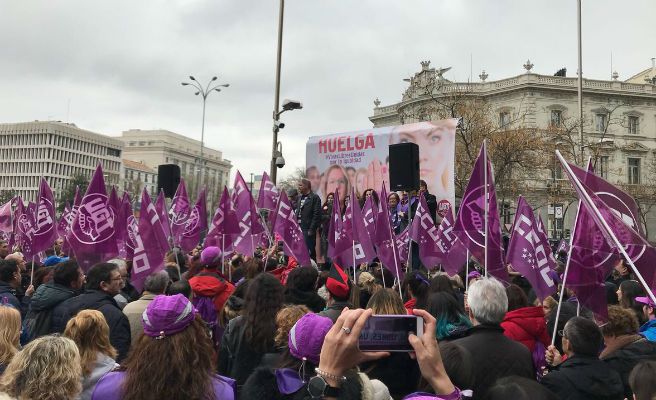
(624, 358)
(309, 299)
(210, 283)
(527, 326)
(39, 320)
(648, 330)
(584, 378)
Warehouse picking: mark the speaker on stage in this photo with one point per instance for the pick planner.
(168, 179)
(404, 166)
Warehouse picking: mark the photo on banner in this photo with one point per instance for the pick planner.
(360, 159)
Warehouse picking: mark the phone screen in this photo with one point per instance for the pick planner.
(389, 332)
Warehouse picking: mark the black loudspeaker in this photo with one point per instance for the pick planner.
(168, 179)
(404, 166)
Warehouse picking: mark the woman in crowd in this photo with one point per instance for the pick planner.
(326, 215)
(452, 322)
(367, 285)
(642, 380)
(442, 283)
(48, 368)
(386, 302)
(285, 319)
(301, 289)
(164, 364)
(10, 329)
(626, 295)
(90, 332)
(248, 337)
(397, 218)
(417, 289)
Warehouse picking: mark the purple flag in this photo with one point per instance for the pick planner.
(160, 205)
(563, 246)
(114, 201)
(24, 227)
(148, 254)
(5, 217)
(93, 235)
(267, 197)
(77, 198)
(369, 212)
(470, 222)
(403, 243)
(448, 244)
(361, 249)
(225, 225)
(249, 224)
(528, 254)
(123, 224)
(179, 212)
(338, 241)
(384, 239)
(65, 221)
(196, 223)
(45, 232)
(286, 227)
(424, 233)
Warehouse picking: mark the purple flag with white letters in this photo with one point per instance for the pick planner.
(338, 241)
(403, 243)
(287, 228)
(424, 233)
(148, 242)
(470, 222)
(179, 213)
(65, 221)
(361, 249)
(267, 197)
(24, 228)
(448, 244)
(369, 212)
(528, 254)
(242, 199)
(196, 224)
(384, 239)
(45, 232)
(92, 236)
(160, 205)
(225, 225)
(563, 246)
(5, 217)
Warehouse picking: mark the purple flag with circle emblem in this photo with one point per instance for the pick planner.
(5, 217)
(361, 249)
(369, 212)
(267, 197)
(24, 228)
(424, 233)
(287, 228)
(225, 225)
(179, 212)
(338, 241)
(45, 232)
(384, 239)
(92, 236)
(148, 244)
(196, 223)
(470, 221)
(449, 245)
(527, 252)
(403, 243)
(160, 205)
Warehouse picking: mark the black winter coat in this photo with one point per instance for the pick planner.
(119, 326)
(310, 213)
(39, 319)
(584, 378)
(309, 299)
(624, 359)
(8, 296)
(398, 372)
(495, 356)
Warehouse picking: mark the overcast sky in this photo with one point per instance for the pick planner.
(119, 64)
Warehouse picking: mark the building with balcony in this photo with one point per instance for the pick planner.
(136, 177)
(56, 151)
(619, 119)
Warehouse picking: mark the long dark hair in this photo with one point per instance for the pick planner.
(442, 283)
(264, 298)
(417, 282)
(176, 367)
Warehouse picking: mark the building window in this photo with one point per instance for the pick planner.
(556, 118)
(113, 152)
(603, 167)
(634, 171)
(633, 124)
(506, 214)
(600, 122)
(504, 119)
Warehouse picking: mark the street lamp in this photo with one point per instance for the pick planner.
(204, 91)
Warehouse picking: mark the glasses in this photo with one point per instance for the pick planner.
(116, 279)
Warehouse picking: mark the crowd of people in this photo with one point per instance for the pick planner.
(263, 327)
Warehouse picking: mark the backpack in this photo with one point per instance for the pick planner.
(205, 307)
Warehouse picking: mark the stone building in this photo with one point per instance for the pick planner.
(136, 177)
(56, 151)
(619, 128)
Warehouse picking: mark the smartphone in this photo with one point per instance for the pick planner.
(390, 332)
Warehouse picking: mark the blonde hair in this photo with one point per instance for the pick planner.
(90, 332)
(47, 369)
(10, 328)
(386, 302)
(285, 320)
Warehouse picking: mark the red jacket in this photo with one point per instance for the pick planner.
(410, 305)
(527, 326)
(210, 283)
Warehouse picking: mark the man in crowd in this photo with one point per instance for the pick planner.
(10, 280)
(494, 355)
(582, 375)
(127, 293)
(4, 249)
(339, 291)
(648, 329)
(154, 285)
(103, 283)
(308, 213)
(67, 282)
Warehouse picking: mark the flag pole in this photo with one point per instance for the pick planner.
(353, 251)
(610, 233)
(32, 273)
(223, 253)
(485, 199)
(467, 272)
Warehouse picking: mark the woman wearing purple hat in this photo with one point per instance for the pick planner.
(173, 359)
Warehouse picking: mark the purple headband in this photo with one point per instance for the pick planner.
(167, 315)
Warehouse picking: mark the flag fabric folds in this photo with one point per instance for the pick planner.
(424, 233)
(179, 213)
(384, 239)
(267, 197)
(45, 229)
(454, 252)
(286, 227)
(195, 225)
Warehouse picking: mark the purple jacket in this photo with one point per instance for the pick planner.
(224, 388)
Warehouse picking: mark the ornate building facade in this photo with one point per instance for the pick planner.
(619, 129)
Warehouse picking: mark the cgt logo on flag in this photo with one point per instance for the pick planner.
(192, 221)
(473, 219)
(96, 220)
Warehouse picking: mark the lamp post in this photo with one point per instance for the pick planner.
(204, 91)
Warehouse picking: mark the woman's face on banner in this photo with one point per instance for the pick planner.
(336, 181)
(314, 177)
